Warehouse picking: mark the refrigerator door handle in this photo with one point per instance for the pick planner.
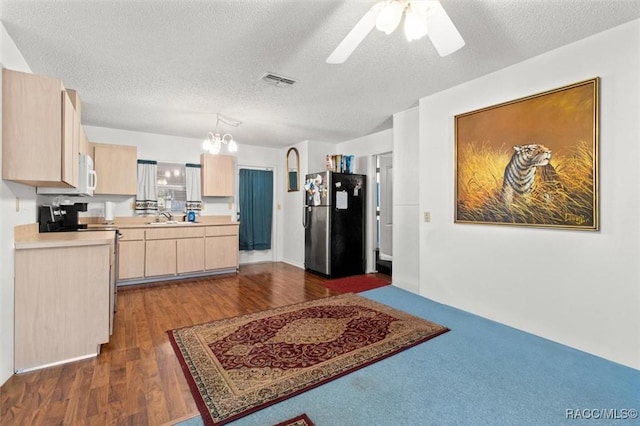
(304, 217)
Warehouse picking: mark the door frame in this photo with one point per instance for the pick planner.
(247, 257)
(371, 209)
(386, 188)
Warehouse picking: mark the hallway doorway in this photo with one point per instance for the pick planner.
(384, 213)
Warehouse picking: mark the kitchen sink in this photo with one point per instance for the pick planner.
(170, 222)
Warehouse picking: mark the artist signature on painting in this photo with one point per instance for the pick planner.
(574, 218)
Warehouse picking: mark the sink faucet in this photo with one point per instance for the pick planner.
(168, 215)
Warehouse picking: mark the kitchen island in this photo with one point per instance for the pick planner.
(64, 295)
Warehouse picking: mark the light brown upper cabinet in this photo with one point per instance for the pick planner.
(218, 173)
(116, 168)
(39, 136)
(83, 142)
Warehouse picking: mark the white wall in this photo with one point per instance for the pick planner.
(367, 146)
(317, 155)
(406, 201)
(577, 288)
(17, 207)
(292, 202)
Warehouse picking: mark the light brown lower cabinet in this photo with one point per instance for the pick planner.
(153, 251)
(221, 247)
(160, 258)
(131, 254)
(62, 304)
(190, 255)
(130, 260)
(221, 252)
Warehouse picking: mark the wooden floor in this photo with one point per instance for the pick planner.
(136, 379)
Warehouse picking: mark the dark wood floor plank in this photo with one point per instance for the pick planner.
(97, 402)
(136, 379)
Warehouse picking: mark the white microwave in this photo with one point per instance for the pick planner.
(87, 180)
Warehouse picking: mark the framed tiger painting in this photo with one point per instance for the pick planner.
(532, 161)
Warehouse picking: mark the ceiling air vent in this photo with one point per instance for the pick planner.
(278, 80)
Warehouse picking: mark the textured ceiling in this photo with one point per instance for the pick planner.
(168, 67)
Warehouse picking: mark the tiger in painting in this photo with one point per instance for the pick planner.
(527, 170)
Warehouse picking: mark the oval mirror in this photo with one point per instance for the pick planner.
(293, 170)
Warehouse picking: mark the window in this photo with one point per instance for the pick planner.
(172, 190)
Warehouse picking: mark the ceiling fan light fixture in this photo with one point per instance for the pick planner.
(430, 19)
(390, 16)
(415, 25)
(442, 32)
(423, 8)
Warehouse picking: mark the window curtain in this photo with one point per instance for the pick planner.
(256, 209)
(147, 193)
(194, 187)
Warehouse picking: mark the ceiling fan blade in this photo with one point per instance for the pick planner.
(356, 35)
(443, 34)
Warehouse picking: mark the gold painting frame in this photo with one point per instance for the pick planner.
(532, 161)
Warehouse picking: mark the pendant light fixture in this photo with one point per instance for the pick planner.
(214, 141)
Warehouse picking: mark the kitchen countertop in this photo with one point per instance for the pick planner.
(100, 234)
(63, 239)
(160, 225)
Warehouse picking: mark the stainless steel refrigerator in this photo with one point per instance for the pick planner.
(334, 223)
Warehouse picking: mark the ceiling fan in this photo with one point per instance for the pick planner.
(421, 17)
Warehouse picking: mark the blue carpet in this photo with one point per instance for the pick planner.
(479, 373)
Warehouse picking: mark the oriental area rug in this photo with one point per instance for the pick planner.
(301, 420)
(239, 365)
(356, 283)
